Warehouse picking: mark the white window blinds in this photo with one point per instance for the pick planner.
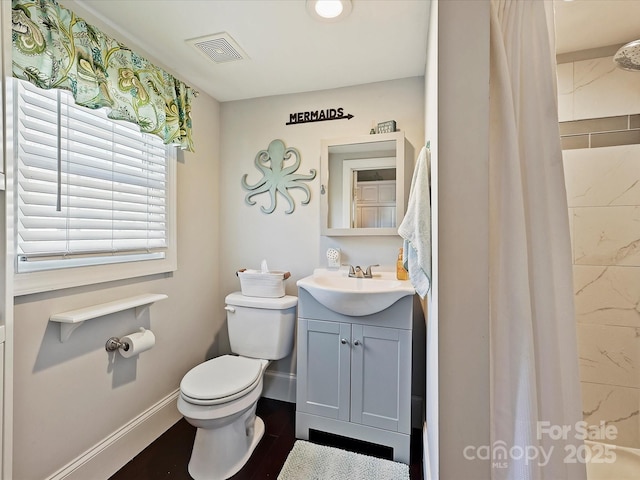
(87, 186)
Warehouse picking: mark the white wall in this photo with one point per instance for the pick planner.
(292, 241)
(603, 193)
(70, 396)
(430, 438)
(6, 275)
(463, 238)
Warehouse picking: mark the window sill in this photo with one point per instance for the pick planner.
(50, 280)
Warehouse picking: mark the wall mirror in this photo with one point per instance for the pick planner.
(364, 184)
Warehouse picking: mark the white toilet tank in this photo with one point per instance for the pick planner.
(261, 327)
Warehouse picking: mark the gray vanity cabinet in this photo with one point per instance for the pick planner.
(380, 377)
(354, 374)
(324, 368)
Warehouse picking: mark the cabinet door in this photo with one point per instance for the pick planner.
(323, 368)
(381, 377)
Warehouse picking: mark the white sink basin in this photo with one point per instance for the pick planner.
(355, 296)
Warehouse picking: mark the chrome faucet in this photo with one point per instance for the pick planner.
(357, 272)
(367, 273)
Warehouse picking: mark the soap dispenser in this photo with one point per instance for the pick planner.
(401, 272)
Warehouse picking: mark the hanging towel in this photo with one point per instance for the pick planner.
(415, 228)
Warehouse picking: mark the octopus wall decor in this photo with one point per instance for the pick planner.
(276, 177)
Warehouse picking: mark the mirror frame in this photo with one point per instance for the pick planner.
(361, 147)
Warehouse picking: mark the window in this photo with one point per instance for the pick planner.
(89, 192)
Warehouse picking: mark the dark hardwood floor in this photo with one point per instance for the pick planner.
(168, 456)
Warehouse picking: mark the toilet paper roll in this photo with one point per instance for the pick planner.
(138, 342)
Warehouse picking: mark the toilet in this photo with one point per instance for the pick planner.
(219, 396)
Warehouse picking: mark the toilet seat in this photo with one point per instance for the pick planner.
(221, 380)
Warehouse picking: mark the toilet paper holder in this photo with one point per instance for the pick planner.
(114, 344)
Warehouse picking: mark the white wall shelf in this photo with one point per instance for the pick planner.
(72, 319)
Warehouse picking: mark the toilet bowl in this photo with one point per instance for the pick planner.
(227, 426)
(219, 396)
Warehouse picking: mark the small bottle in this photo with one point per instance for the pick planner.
(401, 273)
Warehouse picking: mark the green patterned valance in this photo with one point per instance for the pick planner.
(53, 48)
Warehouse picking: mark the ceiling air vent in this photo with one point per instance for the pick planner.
(220, 48)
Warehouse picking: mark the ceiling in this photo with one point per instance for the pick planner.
(587, 24)
(290, 52)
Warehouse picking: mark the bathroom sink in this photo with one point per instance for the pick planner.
(355, 296)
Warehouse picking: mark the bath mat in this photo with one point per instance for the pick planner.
(308, 461)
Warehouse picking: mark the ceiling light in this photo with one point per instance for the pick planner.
(329, 10)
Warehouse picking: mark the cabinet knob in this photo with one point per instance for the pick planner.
(343, 341)
(356, 343)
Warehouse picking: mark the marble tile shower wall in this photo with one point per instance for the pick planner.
(603, 191)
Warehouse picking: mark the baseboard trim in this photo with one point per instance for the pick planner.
(109, 455)
(279, 386)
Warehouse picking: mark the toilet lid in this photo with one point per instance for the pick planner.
(221, 377)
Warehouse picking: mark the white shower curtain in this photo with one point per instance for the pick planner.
(535, 391)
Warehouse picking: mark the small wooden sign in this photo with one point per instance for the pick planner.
(318, 116)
